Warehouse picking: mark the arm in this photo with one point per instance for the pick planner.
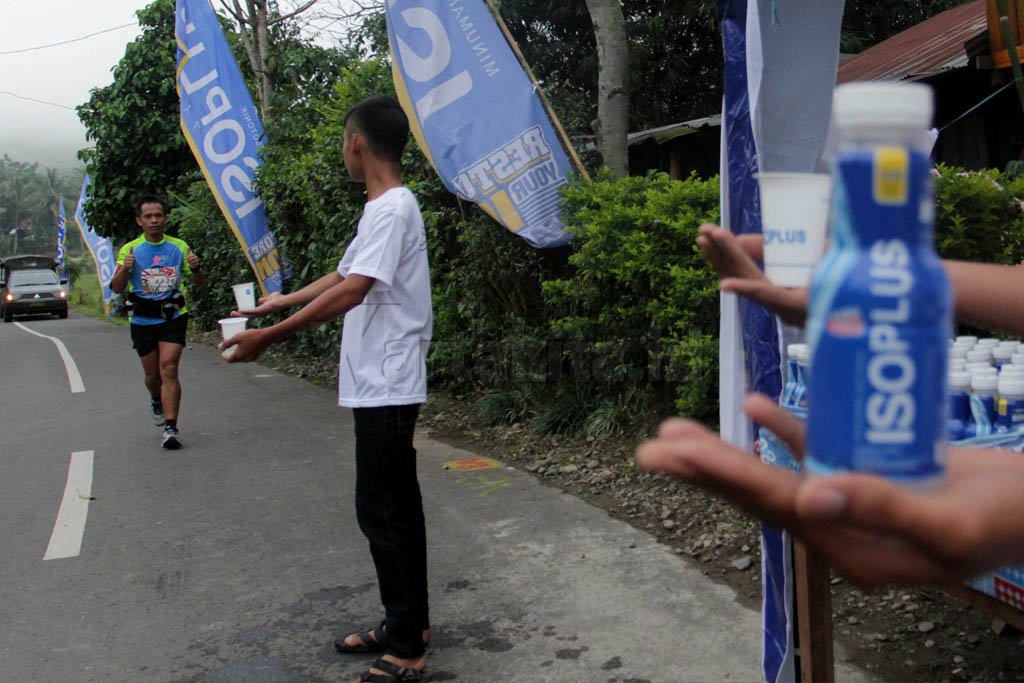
(986, 295)
(280, 302)
(989, 296)
(330, 304)
(123, 274)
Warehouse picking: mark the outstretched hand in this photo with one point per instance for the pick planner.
(734, 258)
(873, 531)
(272, 303)
(247, 346)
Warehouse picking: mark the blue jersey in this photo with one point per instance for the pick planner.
(159, 269)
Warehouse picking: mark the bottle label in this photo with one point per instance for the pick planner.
(892, 175)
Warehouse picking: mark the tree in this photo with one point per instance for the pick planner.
(867, 23)
(612, 123)
(139, 146)
(255, 21)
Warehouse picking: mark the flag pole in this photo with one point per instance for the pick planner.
(540, 91)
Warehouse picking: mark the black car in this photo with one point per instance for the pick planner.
(32, 291)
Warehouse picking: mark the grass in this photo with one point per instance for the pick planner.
(87, 298)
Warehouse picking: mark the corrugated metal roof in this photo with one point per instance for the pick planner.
(675, 130)
(933, 46)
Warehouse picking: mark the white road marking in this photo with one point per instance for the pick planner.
(74, 377)
(66, 540)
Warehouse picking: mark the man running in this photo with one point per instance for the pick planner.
(151, 268)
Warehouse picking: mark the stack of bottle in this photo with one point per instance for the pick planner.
(986, 387)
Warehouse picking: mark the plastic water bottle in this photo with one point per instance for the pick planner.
(983, 401)
(960, 425)
(880, 310)
(803, 370)
(1017, 359)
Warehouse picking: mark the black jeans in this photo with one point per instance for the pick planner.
(390, 514)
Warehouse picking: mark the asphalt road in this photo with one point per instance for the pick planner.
(237, 558)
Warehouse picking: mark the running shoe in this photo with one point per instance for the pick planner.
(157, 410)
(172, 441)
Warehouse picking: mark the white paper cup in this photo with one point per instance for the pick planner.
(229, 327)
(794, 218)
(245, 295)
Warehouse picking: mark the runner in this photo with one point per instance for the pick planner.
(150, 268)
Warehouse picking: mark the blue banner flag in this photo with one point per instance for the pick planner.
(476, 115)
(62, 233)
(223, 129)
(101, 248)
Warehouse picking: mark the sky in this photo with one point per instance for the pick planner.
(61, 75)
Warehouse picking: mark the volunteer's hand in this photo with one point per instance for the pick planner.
(193, 260)
(873, 531)
(735, 257)
(248, 346)
(272, 303)
(129, 260)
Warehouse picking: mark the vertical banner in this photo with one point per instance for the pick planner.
(476, 115)
(62, 234)
(752, 331)
(223, 129)
(781, 58)
(101, 248)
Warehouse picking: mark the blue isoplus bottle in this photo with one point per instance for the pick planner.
(881, 308)
(960, 424)
(1010, 405)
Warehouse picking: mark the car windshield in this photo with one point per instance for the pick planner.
(33, 277)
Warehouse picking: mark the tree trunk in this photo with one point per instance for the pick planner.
(612, 123)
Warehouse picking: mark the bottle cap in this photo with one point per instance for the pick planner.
(1012, 370)
(803, 354)
(960, 380)
(958, 352)
(977, 355)
(793, 350)
(1003, 354)
(958, 364)
(1011, 386)
(966, 339)
(883, 105)
(984, 382)
(987, 342)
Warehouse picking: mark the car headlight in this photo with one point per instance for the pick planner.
(62, 294)
(9, 298)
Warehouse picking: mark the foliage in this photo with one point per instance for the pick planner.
(979, 216)
(133, 122)
(640, 308)
(867, 23)
(29, 197)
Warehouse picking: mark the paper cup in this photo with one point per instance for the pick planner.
(245, 295)
(229, 327)
(794, 218)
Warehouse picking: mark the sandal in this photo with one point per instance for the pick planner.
(393, 672)
(370, 640)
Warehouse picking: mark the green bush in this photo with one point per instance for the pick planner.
(978, 216)
(639, 309)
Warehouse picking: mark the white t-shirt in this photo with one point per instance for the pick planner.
(384, 340)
